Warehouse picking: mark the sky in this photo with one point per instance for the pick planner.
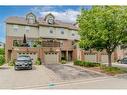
(64, 13)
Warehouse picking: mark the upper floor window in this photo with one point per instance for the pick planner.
(62, 32)
(49, 18)
(51, 31)
(73, 34)
(15, 28)
(27, 28)
(31, 18)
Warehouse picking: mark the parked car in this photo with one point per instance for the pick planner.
(123, 60)
(23, 62)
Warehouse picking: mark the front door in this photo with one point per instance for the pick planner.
(63, 55)
(69, 55)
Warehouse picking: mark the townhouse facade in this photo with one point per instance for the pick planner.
(48, 39)
(58, 39)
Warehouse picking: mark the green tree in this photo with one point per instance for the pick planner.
(2, 60)
(103, 28)
(2, 52)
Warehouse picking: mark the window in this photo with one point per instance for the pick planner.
(15, 43)
(73, 34)
(62, 32)
(31, 19)
(27, 28)
(15, 28)
(51, 31)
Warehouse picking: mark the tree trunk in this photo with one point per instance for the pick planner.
(109, 60)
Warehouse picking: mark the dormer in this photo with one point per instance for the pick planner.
(50, 19)
(31, 18)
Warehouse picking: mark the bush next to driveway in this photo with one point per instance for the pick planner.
(2, 60)
(38, 61)
(86, 64)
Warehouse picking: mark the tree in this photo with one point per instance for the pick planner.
(2, 51)
(103, 28)
(25, 41)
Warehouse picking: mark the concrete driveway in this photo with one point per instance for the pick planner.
(39, 75)
(44, 75)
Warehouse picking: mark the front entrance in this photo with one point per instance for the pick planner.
(66, 55)
(63, 55)
(51, 57)
(69, 55)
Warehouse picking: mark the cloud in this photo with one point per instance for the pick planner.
(43, 8)
(68, 15)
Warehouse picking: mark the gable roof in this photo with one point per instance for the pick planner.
(40, 21)
(30, 14)
(49, 15)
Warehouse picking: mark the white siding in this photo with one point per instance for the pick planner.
(45, 32)
(33, 33)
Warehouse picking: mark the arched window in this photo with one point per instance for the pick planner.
(31, 19)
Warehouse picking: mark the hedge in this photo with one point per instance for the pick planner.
(38, 61)
(86, 64)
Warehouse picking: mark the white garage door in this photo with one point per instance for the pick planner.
(90, 57)
(32, 55)
(104, 58)
(51, 58)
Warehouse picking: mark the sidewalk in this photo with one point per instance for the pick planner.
(116, 64)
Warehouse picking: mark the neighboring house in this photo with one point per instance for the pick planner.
(58, 40)
(1, 45)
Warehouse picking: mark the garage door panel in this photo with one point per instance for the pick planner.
(32, 55)
(51, 58)
(104, 58)
(90, 57)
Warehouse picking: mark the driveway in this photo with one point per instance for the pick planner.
(70, 72)
(42, 76)
(39, 75)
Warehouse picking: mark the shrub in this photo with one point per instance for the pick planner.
(63, 61)
(2, 60)
(86, 64)
(38, 61)
(91, 64)
(63, 58)
(11, 63)
(78, 62)
(34, 45)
